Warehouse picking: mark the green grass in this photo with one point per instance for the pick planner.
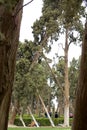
(39, 128)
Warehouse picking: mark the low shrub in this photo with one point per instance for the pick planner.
(19, 123)
(42, 121)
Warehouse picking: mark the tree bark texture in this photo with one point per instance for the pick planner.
(9, 36)
(80, 114)
(66, 88)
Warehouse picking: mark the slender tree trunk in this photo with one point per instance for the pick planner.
(80, 115)
(32, 116)
(9, 35)
(21, 119)
(66, 93)
(61, 108)
(71, 106)
(37, 106)
(49, 105)
(14, 112)
(52, 123)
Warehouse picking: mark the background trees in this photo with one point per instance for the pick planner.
(28, 82)
(59, 17)
(73, 80)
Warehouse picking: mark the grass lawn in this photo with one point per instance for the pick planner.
(39, 128)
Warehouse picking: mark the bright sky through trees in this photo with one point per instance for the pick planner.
(32, 12)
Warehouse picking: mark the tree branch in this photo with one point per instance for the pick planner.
(22, 7)
(53, 74)
(69, 43)
(38, 53)
(61, 45)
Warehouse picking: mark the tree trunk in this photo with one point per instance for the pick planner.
(66, 92)
(61, 108)
(9, 35)
(32, 116)
(80, 115)
(52, 123)
(37, 110)
(14, 112)
(21, 119)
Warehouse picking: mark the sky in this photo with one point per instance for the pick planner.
(32, 12)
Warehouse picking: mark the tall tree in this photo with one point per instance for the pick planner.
(69, 23)
(10, 19)
(55, 20)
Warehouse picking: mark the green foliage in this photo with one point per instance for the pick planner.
(59, 73)
(47, 25)
(73, 70)
(27, 82)
(56, 16)
(19, 123)
(73, 77)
